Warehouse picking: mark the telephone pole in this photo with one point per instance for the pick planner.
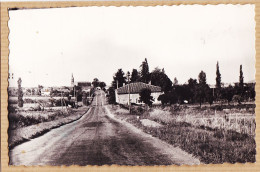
(129, 103)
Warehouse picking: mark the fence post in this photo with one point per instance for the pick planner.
(251, 132)
(224, 123)
(236, 123)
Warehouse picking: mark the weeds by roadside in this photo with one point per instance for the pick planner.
(210, 145)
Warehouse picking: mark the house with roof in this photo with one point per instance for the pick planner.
(133, 89)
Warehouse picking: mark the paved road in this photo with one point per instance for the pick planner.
(97, 139)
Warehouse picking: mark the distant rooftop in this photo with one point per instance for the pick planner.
(137, 87)
(83, 84)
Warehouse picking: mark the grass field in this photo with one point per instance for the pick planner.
(211, 144)
(37, 117)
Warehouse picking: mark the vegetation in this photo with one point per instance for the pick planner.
(218, 83)
(145, 96)
(20, 93)
(134, 76)
(210, 145)
(144, 71)
(111, 95)
(119, 79)
(194, 91)
(97, 83)
(159, 78)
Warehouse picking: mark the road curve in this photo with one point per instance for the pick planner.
(97, 139)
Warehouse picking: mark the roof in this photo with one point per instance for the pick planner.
(137, 87)
(83, 84)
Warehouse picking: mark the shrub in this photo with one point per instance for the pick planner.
(11, 108)
(26, 100)
(219, 134)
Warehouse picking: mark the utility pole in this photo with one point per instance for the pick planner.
(75, 94)
(61, 101)
(129, 103)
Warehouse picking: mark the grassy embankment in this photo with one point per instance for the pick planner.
(32, 121)
(209, 144)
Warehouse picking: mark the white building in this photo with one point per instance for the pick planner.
(46, 92)
(122, 95)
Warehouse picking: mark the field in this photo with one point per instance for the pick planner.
(36, 117)
(239, 120)
(214, 136)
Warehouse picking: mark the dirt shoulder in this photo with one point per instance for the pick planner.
(23, 134)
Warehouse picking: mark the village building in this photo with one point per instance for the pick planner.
(84, 86)
(46, 91)
(134, 89)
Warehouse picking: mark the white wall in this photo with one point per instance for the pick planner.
(134, 98)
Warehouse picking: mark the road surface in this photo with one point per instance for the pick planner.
(97, 139)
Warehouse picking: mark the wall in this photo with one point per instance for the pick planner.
(134, 98)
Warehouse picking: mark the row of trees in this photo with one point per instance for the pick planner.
(200, 92)
(97, 83)
(195, 91)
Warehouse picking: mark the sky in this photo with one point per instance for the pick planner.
(48, 45)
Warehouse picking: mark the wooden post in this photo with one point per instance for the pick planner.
(129, 102)
(236, 123)
(251, 123)
(61, 102)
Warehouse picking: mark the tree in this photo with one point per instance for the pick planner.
(209, 95)
(84, 98)
(192, 85)
(51, 91)
(202, 78)
(111, 95)
(28, 91)
(20, 93)
(102, 85)
(218, 82)
(241, 80)
(95, 82)
(145, 75)
(218, 77)
(145, 96)
(175, 82)
(159, 78)
(134, 76)
(33, 91)
(182, 93)
(119, 79)
(202, 88)
(169, 97)
(228, 93)
(40, 87)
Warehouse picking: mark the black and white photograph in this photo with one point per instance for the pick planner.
(132, 85)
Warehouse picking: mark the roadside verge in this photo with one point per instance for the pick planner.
(24, 134)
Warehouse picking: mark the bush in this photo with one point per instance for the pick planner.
(137, 110)
(235, 136)
(11, 108)
(29, 100)
(237, 98)
(219, 134)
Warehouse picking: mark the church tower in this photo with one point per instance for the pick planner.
(72, 81)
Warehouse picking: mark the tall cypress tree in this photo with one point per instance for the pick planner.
(241, 82)
(218, 83)
(145, 75)
(218, 77)
(134, 76)
(241, 78)
(20, 93)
